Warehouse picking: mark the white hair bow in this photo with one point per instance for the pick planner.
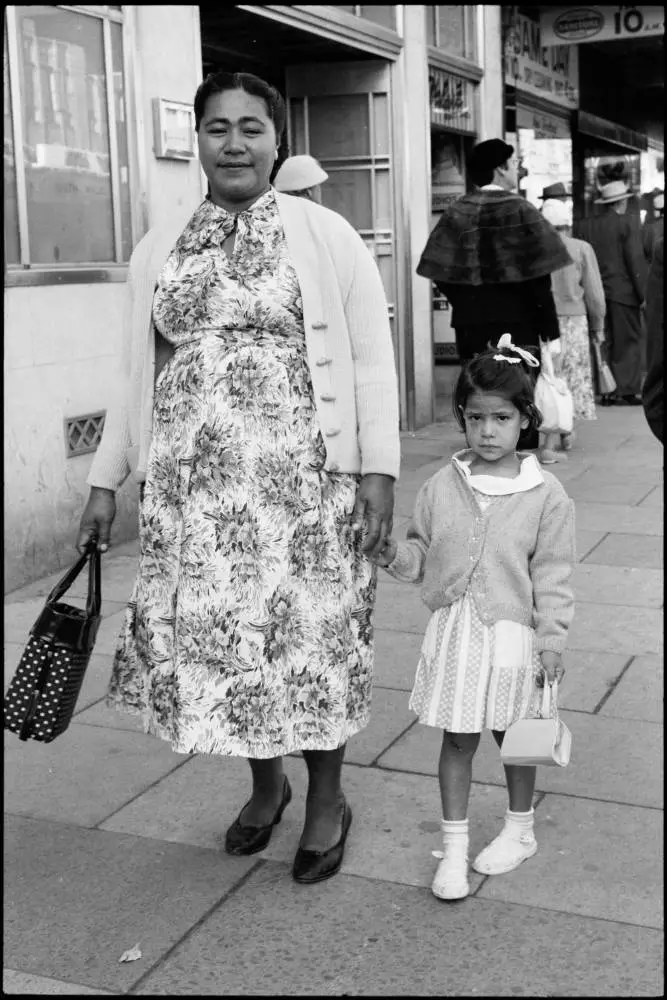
(506, 342)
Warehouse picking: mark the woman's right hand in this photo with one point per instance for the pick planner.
(97, 519)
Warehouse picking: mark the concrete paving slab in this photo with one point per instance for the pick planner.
(396, 817)
(357, 937)
(628, 585)
(615, 517)
(22, 983)
(390, 718)
(76, 899)
(109, 718)
(622, 549)
(571, 873)
(84, 775)
(118, 573)
(655, 498)
(609, 761)
(588, 677)
(401, 609)
(588, 487)
(616, 629)
(396, 657)
(586, 541)
(640, 692)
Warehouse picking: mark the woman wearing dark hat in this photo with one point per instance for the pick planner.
(491, 254)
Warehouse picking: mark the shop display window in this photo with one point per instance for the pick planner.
(543, 144)
(68, 176)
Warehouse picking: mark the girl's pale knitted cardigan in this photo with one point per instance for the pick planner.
(348, 344)
(516, 559)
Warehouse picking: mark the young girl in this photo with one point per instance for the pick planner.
(492, 542)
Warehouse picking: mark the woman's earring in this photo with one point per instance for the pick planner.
(275, 155)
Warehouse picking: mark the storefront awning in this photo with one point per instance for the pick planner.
(600, 128)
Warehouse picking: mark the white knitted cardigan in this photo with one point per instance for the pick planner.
(348, 344)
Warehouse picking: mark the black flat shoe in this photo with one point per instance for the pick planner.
(241, 839)
(607, 400)
(630, 400)
(314, 866)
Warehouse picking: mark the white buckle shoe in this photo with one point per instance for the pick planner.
(505, 853)
(451, 878)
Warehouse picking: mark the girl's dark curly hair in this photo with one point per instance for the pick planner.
(218, 83)
(512, 381)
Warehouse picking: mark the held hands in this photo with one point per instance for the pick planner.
(386, 555)
(373, 511)
(552, 667)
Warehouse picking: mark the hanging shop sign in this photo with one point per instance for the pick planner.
(451, 100)
(549, 72)
(572, 25)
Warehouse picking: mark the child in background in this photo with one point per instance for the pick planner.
(492, 542)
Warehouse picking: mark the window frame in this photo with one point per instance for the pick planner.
(25, 272)
(471, 54)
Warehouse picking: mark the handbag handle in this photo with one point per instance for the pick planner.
(546, 360)
(94, 601)
(549, 693)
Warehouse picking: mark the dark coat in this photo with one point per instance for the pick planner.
(653, 232)
(653, 389)
(491, 237)
(616, 240)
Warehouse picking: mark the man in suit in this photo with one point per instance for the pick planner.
(654, 385)
(616, 239)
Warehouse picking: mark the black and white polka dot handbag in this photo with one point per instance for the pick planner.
(41, 698)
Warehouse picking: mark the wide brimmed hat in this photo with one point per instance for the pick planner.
(298, 173)
(614, 191)
(555, 191)
(488, 155)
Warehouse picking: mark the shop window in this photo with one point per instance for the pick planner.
(452, 29)
(66, 142)
(386, 16)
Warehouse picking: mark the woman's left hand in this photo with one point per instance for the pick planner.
(374, 510)
(552, 666)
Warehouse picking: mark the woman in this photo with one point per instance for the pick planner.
(301, 175)
(261, 415)
(579, 297)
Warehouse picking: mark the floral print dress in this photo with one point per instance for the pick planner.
(249, 628)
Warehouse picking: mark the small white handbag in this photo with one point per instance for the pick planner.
(553, 398)
(544, 740)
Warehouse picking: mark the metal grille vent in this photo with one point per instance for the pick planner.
(83, 434)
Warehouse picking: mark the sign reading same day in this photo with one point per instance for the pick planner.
(570, 25)
(550, 72)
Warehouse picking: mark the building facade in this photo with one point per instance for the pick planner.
(99, 146)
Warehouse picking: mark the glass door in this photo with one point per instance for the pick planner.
(340, 113)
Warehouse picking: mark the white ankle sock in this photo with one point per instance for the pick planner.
(519, 824)
(455, 831)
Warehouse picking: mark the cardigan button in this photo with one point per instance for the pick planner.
(323, 361)
(332, 432)
(326, 397)
(319, 325)
(334, 467)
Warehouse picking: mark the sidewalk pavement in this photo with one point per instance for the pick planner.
(112, 840)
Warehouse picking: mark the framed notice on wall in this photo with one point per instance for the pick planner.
(173, 130)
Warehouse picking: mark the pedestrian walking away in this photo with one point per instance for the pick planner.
(492, 543)
(491, 254)
(579, 297)
(260, 413)
(616, 240)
